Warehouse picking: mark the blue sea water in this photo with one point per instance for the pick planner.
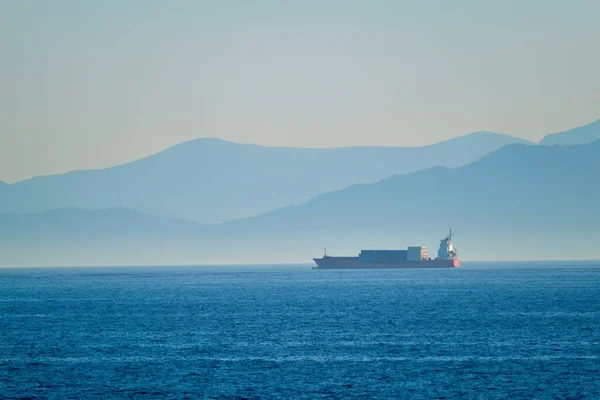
(483, 331)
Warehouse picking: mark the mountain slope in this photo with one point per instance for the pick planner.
(515, 179)
(74, 224)
(4, 189)
(210, 180)
(519, 202)
(581, 135)
(95, 237)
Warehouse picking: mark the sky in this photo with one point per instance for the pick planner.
(90, 84)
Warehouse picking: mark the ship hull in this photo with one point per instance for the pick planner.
(355, 263)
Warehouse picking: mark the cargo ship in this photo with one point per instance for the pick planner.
(412, 257)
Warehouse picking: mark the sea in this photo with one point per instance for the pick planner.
(482, 331)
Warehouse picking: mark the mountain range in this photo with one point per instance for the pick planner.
(581, 135)
(210, 180)
(517, 202)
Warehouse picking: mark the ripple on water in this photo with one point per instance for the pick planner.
(297, 333)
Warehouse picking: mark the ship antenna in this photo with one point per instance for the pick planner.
(450, 235)
(325, 251)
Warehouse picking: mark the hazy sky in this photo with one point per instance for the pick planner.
(87, 84)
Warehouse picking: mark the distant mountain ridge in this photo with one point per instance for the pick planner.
(210, 180)
(514, 188)
(105, 223)
(78, 237)
(582, 135)
(518, 202)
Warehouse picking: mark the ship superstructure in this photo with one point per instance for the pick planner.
(412, 257)
(447, 251)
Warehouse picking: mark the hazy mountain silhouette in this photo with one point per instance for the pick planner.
(538, 198)
(211, 180)
(519, 202)
(581, 135)
(4, 188)
(69, 223)
(95, 237)
(506, 187)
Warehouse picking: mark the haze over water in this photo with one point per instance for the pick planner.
(528, 330)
